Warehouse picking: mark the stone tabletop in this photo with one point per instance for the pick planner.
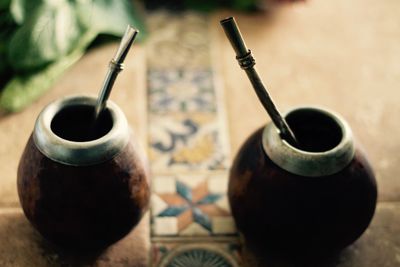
(343, 55)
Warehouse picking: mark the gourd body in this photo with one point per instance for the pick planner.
(88, 205)
(280, 211)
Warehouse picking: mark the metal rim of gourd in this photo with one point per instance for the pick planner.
(310, 164)
(80, 153)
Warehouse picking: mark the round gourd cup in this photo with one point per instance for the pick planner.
(313, 200)
(82, 184)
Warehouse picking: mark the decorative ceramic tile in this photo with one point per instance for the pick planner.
(197, 206)
(177, 254)
(181, 91)
(186, 142)
(188, 147)
(178, 41)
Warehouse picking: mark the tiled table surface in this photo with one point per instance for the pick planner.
(188, 146)
(332, 53)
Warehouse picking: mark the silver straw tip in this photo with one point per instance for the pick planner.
(126, 42)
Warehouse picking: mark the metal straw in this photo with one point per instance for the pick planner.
(247, 62)
(114, 68)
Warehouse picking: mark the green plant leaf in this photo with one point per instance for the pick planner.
(7, 28)
(3, 56)
(4, 4)
(205, 5)
(22, 9)
(244, 4)
(18, 9)
(23, 89)
(109, 16)
(49, 40)
(50, 32)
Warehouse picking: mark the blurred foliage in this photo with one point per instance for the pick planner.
(7, 27)
(202, 5)
(22, 89)
(40, 37)
(209, 5)
(47, 34)
(4, 4)
(45, 37)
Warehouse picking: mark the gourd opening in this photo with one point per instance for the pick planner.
(315, 130)
(76, 123)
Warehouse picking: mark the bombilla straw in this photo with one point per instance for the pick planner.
(247, 62)
(114, 68)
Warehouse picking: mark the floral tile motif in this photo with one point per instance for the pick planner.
(181, 91)
(186, 142)
(191, 205)
(176, 254)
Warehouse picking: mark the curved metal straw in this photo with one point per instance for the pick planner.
(247, 62)
(115, 67)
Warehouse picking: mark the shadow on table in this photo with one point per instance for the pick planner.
(378, 246)
(21, 245)
(3, 114)
(274, 260)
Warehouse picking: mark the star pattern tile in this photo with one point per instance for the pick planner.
(201, 203)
